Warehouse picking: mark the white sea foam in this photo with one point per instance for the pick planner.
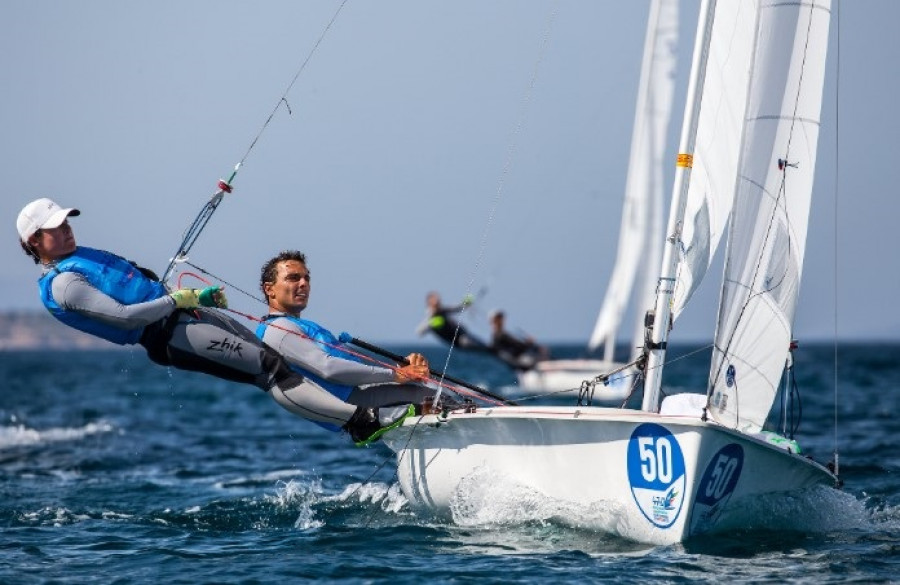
(488, 498)
(817, 510)
(390, 498)
(21, 435)
(55, 516)
(301, 497)
(255, 480)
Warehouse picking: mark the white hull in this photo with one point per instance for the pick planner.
(565, 377)
(646, 477)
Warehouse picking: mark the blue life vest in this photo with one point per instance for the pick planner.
(113, 276)
(326, 341)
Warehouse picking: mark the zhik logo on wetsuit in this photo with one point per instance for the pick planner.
(226, 346)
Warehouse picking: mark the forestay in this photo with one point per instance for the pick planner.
(769, 221)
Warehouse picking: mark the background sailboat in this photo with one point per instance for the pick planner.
(638, 255)
(664, 475)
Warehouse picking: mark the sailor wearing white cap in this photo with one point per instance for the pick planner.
(105, 295)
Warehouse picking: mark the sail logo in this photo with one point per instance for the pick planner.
(720, 400)
(656, 473)
(716, 487)
(730, 374)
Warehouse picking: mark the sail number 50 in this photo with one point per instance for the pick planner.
(721, 475)
(656, 458)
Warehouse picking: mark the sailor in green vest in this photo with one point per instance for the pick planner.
(438, 321)
(110, 297)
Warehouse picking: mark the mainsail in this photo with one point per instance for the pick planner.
(641, 212)
(767, 237)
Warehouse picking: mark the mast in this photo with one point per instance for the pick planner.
(655, 348)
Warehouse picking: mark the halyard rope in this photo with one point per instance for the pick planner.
(225, 185)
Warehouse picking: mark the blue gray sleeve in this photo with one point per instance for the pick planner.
(301, 351)
(73, 292)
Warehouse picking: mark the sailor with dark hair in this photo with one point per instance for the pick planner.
(518, 353)
(315, 352)
(110, 297)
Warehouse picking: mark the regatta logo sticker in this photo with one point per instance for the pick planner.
(716, 487)
(656, 473)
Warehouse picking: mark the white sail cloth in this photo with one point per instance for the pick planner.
(767, 237)
(717, 145)
(639, 247)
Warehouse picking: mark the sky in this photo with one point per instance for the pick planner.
(464, 147)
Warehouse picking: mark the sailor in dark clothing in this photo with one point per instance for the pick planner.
(439, 322)
(107, 296)
(518, 353)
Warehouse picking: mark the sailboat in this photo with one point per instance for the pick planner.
(681, 466)
(637, 257)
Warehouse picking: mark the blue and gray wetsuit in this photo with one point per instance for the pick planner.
(317, 354)
(107, 296)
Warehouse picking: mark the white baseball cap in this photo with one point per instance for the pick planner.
(41, 214)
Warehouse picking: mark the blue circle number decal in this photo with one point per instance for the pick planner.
(721, 475)
(656, 473)
(716, 486)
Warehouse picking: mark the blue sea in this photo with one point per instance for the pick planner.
(115, 470)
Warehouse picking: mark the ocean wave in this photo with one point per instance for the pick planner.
(21, 435)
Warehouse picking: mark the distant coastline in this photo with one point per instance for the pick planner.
(21, 330)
